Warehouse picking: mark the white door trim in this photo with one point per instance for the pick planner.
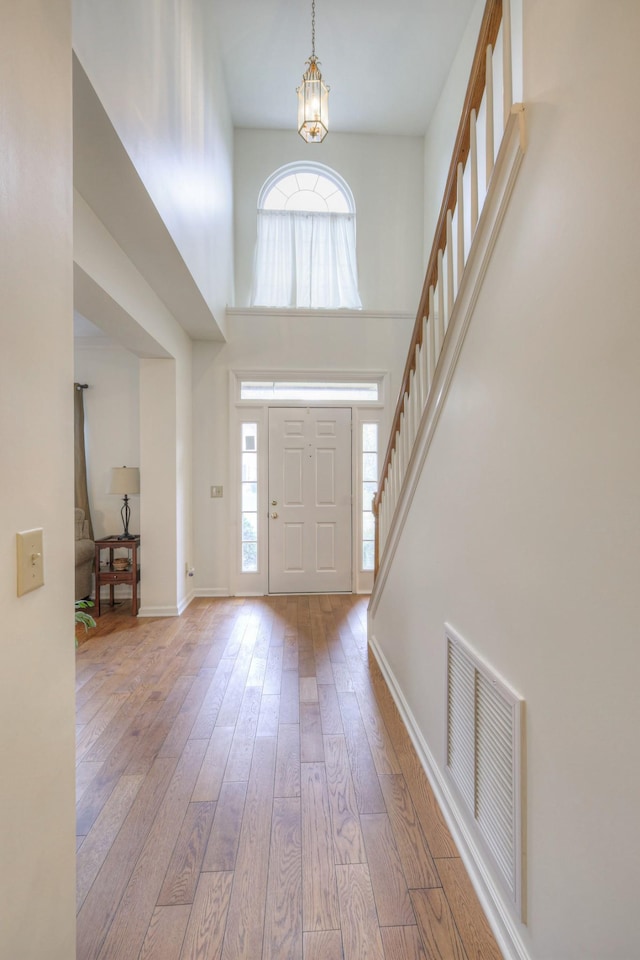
(256, 411)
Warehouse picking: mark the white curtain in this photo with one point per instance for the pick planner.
(305, 260)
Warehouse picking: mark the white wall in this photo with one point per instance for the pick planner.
(265, 342)
(385, 175)
(155, 69)
(525, 529)
(37, 918)
(112, 427)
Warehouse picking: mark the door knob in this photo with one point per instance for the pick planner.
(274, 516)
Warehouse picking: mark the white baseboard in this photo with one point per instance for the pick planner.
(211, 592)
(184, 603)
(503, 925)
(158, 612)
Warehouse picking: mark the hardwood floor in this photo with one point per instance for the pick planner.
(247, 791)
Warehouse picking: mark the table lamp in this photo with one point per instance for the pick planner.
(125, 480)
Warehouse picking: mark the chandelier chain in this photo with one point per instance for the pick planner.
(313, 28)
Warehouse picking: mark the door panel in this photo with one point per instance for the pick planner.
(325, 478)
(292, 561)
(292, 494)
(326, 546)
(310, 498)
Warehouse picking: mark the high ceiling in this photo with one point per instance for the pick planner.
(385, 60)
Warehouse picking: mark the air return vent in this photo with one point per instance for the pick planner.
(483, 749)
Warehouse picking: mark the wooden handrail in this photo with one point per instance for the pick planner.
(489, 28)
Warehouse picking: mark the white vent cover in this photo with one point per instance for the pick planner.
(484, 757)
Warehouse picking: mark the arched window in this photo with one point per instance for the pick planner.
(306, 247)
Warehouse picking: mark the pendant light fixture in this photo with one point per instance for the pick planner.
(313, 95)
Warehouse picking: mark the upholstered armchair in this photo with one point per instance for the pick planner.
(85, 553)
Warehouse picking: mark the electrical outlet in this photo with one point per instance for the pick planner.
(30, 560)
(216, 491)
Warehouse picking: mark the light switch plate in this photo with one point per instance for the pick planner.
(30, 560)
(216, 491)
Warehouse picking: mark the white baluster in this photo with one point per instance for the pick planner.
(488, 92)
(440, 330)
(473, 152)
(411, 432)
(396, 472)
(460, 215)
(507, 77)
(450, 295)
(415, 403)
(424, 364)
(417, 400)
(432, 335)
(407, 442)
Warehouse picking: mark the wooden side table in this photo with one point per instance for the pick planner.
(106, 573)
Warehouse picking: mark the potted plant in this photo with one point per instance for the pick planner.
(82, 616)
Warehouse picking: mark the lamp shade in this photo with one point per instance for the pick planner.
(125, 480)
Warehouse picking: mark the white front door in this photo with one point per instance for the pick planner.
(309, 500)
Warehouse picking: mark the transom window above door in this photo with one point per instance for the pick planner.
(306, 241)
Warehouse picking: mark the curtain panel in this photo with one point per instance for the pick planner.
(80, 459)
(306, 260)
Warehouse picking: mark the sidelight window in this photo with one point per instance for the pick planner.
(249, 498)
(369, 490)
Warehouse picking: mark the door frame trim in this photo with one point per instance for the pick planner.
(256, 411)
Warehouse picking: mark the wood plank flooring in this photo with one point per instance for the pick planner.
(247, 790)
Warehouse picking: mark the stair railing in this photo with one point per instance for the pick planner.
(472, 164)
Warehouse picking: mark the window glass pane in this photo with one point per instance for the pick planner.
(276, 200)
(337, 203)
(370, 437)
(256, 391)
(249, 466)
(368, 526)
(367, 555)
(326, 188)
(288, 185)
(306, 200)
(370, 466)
(249, 441)
(250, 497)
(307, 181)
(250, 526)
(283, 390)
(249, 557)
(369, 491)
